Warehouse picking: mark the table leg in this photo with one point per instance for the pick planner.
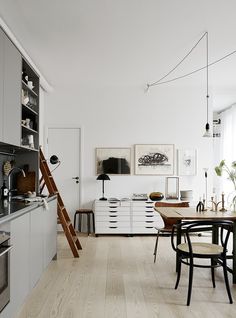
(234, 253)
(178, 241)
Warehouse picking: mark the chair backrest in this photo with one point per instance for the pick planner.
(169, 223)
(197, 225)
(173, 205)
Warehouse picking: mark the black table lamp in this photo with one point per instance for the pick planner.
(103, 177)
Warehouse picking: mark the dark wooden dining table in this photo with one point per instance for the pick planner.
(190, 213)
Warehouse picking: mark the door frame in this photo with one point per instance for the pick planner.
(81, 147)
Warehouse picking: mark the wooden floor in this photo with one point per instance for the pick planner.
(115, 278)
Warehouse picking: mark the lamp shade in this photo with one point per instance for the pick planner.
(103, 176)
(54, 160)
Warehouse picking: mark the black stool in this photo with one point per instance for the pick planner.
(86, 212)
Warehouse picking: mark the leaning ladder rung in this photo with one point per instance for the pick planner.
(63, 217)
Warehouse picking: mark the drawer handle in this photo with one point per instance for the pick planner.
(149, 221)
(112, 207)
(149, 211)
(112, 216)
(149, 216)
(112, 227)
(149, 227)
(113, 211)
(112, 221)
(149, 207)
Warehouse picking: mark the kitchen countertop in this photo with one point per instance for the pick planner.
(15, 208)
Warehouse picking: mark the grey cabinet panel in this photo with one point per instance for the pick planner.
(12, 94)
(1, 81)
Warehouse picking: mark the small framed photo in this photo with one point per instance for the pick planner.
(154, 159)
(187, 162)
(116, 161)
(172, 188)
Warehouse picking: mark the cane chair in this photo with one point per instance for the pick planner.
(188, 252)
(168, 224)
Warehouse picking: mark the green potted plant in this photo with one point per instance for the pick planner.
(231, 171)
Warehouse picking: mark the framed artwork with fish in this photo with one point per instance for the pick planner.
(154, 159)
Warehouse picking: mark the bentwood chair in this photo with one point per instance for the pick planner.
(168, 224)
(188, 252)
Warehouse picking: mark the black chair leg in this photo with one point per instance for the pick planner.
(93, 220)
(213, 274)
(227, 281)
(75, 219)
(178, 273)
(155, 248)
(80, 221)
(88, 223)
(190, 283)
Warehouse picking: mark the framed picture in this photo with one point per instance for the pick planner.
(115, 161)
(187, 162)
(154, 159)
(172, 188)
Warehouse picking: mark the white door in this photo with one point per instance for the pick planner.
(65, 144)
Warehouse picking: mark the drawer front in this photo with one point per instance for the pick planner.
(112, 217)
(112, 223)
(112, 208)
(144, 230)
(142, 203)
(140, 209)
(112, 230)
(151, 217)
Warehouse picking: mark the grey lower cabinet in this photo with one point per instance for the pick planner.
(10, 91)
(1, 83)
(34, 237)
(19, 263)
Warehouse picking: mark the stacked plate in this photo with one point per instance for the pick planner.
(186, 195)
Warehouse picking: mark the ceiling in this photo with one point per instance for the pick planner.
(150, 36)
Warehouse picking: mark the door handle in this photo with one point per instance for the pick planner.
(76, 178)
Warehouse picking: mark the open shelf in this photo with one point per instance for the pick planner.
(28, 88)
(29, 129)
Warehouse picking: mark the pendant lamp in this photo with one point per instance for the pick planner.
(207, 127)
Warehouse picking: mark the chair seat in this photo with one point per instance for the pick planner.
(201, 248)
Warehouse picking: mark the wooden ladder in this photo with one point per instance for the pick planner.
(63, 217)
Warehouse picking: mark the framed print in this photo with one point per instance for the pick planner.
(154, 159)
(115, 161)
(172, 188)
(187, 162)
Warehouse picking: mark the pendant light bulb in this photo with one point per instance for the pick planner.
(207, 132)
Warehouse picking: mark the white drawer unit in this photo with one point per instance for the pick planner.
(144, 217)
(126, 217)
(112, 217)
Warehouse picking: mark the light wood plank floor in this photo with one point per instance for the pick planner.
(115, 277)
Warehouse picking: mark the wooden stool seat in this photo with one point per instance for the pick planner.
(80, 213)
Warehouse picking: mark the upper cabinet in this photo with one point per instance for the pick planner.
(19, 98)
(11, 92)
(1, 84)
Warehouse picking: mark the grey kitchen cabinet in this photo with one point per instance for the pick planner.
(10, 91)
(49, 232)
(36, 245)
(19, 265)
(1, 83)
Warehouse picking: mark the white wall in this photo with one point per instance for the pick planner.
(121, 116)
(99, 82)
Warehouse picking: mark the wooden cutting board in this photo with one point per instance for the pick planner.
(27, 183)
